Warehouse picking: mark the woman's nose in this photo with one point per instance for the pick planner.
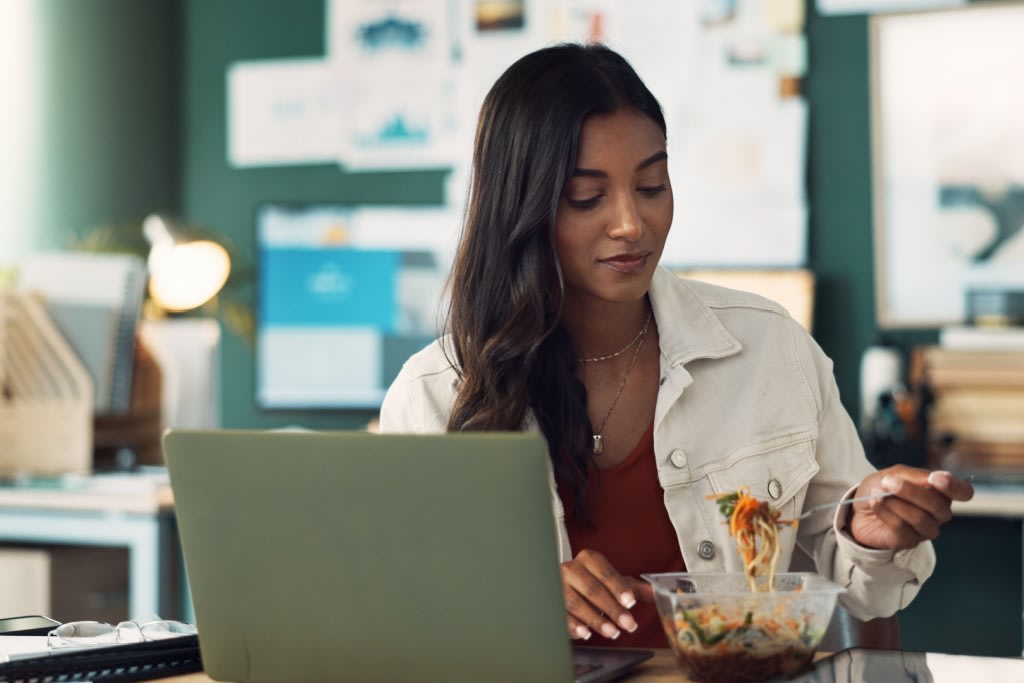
(626, 222)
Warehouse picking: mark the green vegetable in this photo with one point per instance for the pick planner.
(727, 504)
(707, 639)
(701, 636)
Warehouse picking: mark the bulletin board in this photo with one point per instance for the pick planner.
(402, 81)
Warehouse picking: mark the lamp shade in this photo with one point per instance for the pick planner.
(183, 273)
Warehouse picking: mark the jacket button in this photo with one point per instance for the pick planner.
(774, 488)
(662, 381)
(678, 458)
(706, 550)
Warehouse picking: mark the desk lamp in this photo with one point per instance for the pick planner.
(184, 273)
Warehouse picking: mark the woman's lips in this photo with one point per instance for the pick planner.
(626, 263)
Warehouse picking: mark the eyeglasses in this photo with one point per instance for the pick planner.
(98, 633)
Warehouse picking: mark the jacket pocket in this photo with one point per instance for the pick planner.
(776, 470)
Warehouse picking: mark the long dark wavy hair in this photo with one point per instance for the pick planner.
(513, 356)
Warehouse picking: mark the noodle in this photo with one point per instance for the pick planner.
(755, 524)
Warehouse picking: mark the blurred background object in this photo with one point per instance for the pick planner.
(184, 272)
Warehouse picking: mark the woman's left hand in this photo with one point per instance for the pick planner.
(920, 503)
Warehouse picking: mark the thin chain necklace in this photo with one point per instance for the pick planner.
(598, 438)
(627, 347)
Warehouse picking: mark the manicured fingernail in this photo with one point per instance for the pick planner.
(627, 622)
(888, 483)
(610, 631)
(940, 478)
(627, 600)
(583, 632)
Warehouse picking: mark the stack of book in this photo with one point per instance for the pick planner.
(976, 381)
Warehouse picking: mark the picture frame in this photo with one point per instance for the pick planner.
(947, 159)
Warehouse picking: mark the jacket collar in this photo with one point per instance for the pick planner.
(687, 326)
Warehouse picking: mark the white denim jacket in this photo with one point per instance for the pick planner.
(747, 398)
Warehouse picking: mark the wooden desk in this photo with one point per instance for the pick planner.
(661, 667)
(131, 511)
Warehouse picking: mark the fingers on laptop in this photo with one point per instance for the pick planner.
(597, 597)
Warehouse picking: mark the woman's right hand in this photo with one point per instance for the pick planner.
(598, 598)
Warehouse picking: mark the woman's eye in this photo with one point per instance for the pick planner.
(584, 203)
(653, 190)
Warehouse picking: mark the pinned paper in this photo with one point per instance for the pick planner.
(282, 112)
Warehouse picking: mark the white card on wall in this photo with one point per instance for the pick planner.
(282, 112)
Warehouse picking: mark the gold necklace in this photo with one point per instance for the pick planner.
(627, 347)
(598, 439)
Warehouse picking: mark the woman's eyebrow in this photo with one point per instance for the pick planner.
(653, 159)
(595, 173)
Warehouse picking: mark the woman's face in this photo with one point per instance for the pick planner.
(616, 210)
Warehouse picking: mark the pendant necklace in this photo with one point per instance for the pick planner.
(639, 341)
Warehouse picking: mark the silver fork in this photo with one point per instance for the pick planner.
(849, 501)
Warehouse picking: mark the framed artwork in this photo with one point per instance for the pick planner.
(948, 160)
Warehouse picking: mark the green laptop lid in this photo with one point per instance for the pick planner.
(348, 556)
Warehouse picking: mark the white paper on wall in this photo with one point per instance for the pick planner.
(282, 112)
(395, 68)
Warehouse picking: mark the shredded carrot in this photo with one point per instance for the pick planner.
(754, 524)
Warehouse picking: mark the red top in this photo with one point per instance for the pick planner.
(632, 529)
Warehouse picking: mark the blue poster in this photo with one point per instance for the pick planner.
(329, 287)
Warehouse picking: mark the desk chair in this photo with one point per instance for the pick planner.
(845, 630)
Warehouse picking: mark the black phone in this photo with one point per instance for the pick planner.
(30, 625)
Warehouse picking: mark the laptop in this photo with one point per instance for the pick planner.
(350, 556)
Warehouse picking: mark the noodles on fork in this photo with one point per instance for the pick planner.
(755, 524)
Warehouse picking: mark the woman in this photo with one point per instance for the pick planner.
(652, 392)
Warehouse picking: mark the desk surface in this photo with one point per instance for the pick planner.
(661, 667)
(143, 494)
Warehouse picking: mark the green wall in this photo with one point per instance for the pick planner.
(972, 603)
(218, 33)
(110, 106)
(839, 187)
(839, 173)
